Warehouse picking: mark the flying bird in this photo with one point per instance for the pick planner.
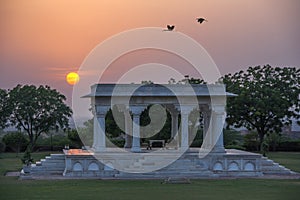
(200, 20)
(169, 28)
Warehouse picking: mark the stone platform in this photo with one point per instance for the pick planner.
(147, 165)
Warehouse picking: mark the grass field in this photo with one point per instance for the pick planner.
(11, 188)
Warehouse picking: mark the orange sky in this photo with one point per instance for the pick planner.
(42, 40)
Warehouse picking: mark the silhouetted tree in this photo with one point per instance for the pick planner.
(37, 110)
(267, 98)
(147, 82)
(164, 132)
(4, 112)
(16, 141)
(86, 132)
(187, 79)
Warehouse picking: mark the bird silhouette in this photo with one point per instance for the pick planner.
(169, 28)
(200, 20)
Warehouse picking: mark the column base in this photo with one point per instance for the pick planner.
(218, 150)
(136, 149)
(99, 149)
(212, 150)
(127, 146)
(184, 149)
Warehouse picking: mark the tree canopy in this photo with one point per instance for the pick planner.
(37, 110)
(268, 98)
(187, 79)
(3, 108)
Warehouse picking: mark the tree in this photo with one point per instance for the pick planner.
(196, 81)
(147, 82)
(86, 133)
(187, 79)
(4, 112)
(74, 137)
(111, 126)
(37, 110)
(163, 133)
(16, 141)
(268, 98)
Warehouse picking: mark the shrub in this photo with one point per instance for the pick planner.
(197, 143)
(118, 142)
(74, 138)
(2, 147)
(15, 141)
(289, 145)
(251, 141)
(27, 159)
(232, 137)
(273, 140)
(235, 147)
(198, 140)
(58, 142)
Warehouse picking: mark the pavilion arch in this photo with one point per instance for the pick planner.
(93, 167)
(77, 167)
(218, 166)
(233, 166)
(249, 166)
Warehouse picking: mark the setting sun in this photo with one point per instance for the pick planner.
(72, 78)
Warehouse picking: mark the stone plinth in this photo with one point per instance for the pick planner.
(232, 163)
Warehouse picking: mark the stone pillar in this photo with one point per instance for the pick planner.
(99, 143)
(185, 111)
(218, 118)
(136, 112)
(174, 128)
(96, 130)
(174, 140)
(128, 130)
(207, 135)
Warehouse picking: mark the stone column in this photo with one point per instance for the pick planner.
(185, 111)
(99, 144)
(218, 118)
(174, 140)
(207, 135)
(174, 128)
(96, 129)
(136, 112)
(128, 130)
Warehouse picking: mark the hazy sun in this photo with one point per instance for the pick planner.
(72, 78)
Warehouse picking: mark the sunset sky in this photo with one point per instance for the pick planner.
(42, 40)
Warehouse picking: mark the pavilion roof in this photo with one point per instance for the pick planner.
(171, 90)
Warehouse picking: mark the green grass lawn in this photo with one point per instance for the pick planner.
(11, 188)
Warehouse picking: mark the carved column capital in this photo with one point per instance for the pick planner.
(137, 110)
(218, 109)
(186, 109)
(205, 108)
(173, 109)
(101, 110)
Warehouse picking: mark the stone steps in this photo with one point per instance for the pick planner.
(165, 174)
(269, 167)
(50, 165)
